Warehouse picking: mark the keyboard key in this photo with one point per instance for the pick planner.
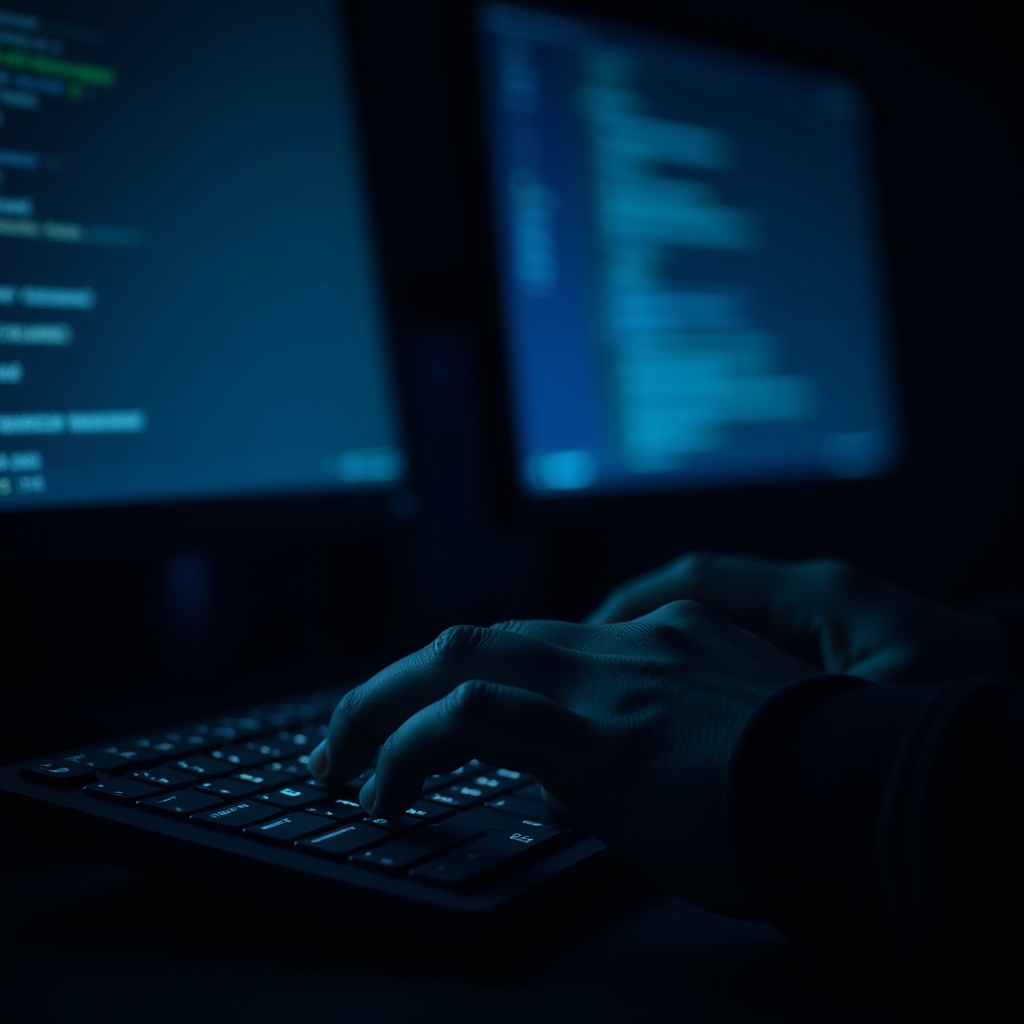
(284, 831)
(187, 740)
(480, 819)
(296, 742)
(397, 856)
(265, 750)
(353, 786)
(58, 773)
(202, 764)
(232, 818)
(110, 763)
(433, 782)
(448, 800)
(231, 789)
(539, 813)
(492, 784)
(464, 795)
(403, 852)
(399, 824)
(182, 803)
(165, 778)
(237, 757)
(263, 778)
(133, 755)
(296, 766)
(531, 792)
(341, 809)
(340, 842)
(161, 746)
(469, 863)
(230, 730)
(290, 796)
(424, 811)
(121, 791)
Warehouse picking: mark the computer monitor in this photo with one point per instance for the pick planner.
(686, 261)
(190, 303)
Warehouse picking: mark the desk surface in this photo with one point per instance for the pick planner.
(86, 942)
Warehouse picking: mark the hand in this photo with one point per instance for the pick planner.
(630, 728)
(826, 613)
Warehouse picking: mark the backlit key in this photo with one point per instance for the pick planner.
(284, 831)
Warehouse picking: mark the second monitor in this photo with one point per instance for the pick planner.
(687, 264)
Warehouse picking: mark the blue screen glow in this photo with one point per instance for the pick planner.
(687, 262)
(189, 305)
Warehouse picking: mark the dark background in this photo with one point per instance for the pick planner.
(100, 635)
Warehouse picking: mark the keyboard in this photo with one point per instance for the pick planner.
(478, 838)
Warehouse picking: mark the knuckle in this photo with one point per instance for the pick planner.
(673, 621)
(685, 611)
(664, 633)
(454, 642)
(508, 626)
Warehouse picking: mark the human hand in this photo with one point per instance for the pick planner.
(630, 728)
(824, 612)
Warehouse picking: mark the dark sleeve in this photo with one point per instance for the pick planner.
(886, 816)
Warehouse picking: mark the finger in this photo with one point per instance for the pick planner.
(574, 636)
(502, 725)
(367, 714)
(821, 611)
(738, 588)
(635, 598)
(555, 631)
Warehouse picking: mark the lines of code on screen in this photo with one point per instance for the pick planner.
(188, 300)
(687, 262)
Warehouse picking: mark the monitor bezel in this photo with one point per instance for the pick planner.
(156, 528)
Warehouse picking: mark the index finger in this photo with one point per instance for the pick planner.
(372, 711)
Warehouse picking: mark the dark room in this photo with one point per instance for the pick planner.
(511, 510)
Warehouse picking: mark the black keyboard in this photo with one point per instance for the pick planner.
(477, 838)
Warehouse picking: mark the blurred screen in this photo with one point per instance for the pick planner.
(189, 304)
(687, 262)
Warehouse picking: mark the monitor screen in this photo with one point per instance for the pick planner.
(189, 301)
(687, 262)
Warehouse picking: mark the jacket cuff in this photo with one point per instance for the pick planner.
(807, 790)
